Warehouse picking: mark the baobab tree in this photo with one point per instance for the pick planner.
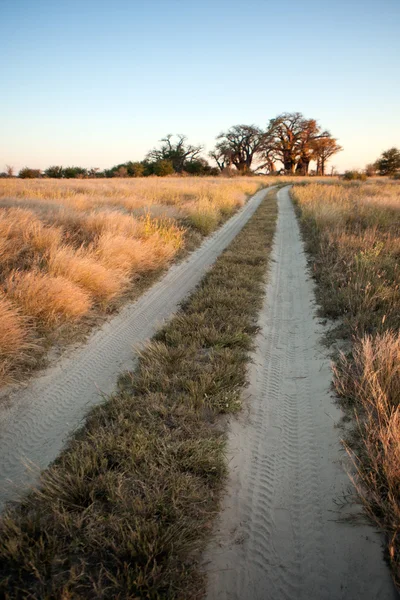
(222, 155)
(296, 141)
(284, 134)
(323, 148)
(310, 136)
(238, 146)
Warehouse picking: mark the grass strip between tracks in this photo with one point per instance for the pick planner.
(127, 507)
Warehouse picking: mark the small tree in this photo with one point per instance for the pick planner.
(55, 172)
(389, 162)
(28, 173)
(10, 170)
(370, 170)
(177, 153)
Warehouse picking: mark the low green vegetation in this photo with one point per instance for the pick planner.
(127, 507)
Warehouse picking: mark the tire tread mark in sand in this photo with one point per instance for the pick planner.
(284, 472)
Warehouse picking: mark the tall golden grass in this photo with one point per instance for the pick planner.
(70, 249)
(353, 233)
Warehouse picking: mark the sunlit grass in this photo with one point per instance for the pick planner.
(353, 234)
(70, 249)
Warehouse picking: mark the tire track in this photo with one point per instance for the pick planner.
(39, 418)
(278, 536)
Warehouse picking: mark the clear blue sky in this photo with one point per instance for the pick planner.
(95, 83)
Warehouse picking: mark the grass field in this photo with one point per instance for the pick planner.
(71, 251)
(353, 234)
(125, 509)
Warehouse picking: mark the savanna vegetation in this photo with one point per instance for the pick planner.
(126, 508)
(352, 232)
(72, 251)
(290, 139)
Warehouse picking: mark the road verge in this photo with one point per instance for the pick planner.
(123, 510)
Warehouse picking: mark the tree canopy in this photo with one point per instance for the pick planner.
(389, 162)
(179, 153)
(289, 138)
(238, 146)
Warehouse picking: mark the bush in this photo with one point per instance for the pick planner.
(122, 171)
(354, 176)
(75, 172)
(163, 168)
(135, 169)
(54, 172)
(200, 167)
(28, 173)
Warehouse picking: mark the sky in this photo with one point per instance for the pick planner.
(96, 83)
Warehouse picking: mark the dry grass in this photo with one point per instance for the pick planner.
(124, 510)
(15, 336)
(370, 382)
(51, 299)
(100, 240)
(352, 232)
(83, 269)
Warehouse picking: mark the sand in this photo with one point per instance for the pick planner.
(280, 533)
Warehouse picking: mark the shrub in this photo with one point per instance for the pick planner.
(75, 172)
(354, 176)
(122, 171)
(370, 170)
(28, 173)
(163, 168)
(204, 216)
(55, 172)
(135, 169)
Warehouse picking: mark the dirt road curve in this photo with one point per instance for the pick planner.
(279, 536)
(39, 418)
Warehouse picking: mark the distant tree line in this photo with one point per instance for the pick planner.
(288, 145)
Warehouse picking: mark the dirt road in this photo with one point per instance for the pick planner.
(278, 536)
(36, 421)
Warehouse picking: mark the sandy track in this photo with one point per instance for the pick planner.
(40, 417)
(278, 536)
